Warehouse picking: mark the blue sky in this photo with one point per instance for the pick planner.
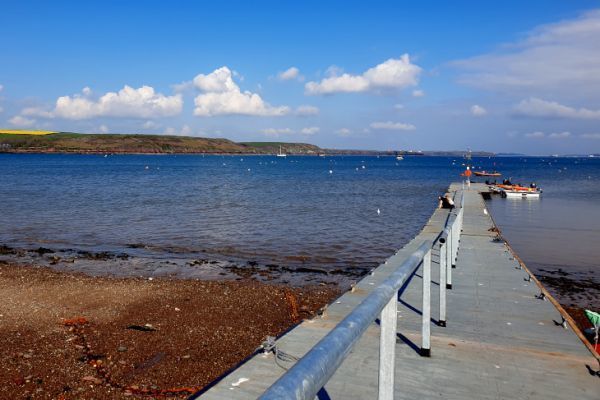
(515, 76)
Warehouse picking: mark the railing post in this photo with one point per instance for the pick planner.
(387, 349)
(455, 235)
(449, 241)
(442, 321)
(426, 311)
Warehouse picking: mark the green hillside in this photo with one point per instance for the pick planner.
(68, 142)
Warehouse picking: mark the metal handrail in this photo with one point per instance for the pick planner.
(306, 378)
(312, 371)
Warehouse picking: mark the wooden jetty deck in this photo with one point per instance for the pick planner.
(500, 342)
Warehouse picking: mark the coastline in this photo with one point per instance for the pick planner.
(68, 335)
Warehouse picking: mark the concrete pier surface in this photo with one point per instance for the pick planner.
(501, 341)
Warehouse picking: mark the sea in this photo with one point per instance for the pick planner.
(294, 219)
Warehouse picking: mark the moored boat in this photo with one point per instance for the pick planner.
(520, 193)
(281, 153)
(483, 173)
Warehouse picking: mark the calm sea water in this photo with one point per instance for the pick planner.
(314, 212)
(557, 235)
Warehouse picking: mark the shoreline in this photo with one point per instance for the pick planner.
(68, 335)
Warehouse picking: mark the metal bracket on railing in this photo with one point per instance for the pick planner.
(541, 296)
(314, 370)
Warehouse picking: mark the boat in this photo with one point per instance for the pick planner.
(483, 173)
(281, 153)
(517, 191)
(520, 193)
(399, 158)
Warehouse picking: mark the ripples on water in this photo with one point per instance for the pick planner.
(290, 212)
(286, 211)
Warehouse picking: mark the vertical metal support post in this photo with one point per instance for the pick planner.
(454, 242)
(442, 320)
(387, 349)
(426, 311)
(449, 260)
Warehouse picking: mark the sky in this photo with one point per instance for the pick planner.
(507, 76)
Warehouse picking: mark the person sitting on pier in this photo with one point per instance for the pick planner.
(446, 202)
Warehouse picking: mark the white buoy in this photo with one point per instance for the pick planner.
(378, 211)
(331, 171)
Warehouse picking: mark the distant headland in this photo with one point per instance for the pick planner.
(23, 141)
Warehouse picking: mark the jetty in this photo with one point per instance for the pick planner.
(455, 314)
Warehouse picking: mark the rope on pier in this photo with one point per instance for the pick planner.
(270, 346)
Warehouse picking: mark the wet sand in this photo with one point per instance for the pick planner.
(72, 336)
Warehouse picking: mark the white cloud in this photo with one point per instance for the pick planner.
(534, 107)
(398, 106)
(183, 86)
(310, 130)
(86, 91)
(103, 128)
(128, 102)
(392, 126)
(343, 132)
(305, 111)
(555, 135)
(185, 130)
(535, 135)
(560, 135)
(290, 74)
(21, 121)
(478, 111)
(591, 136)
(220, 80)
(275, 132)
(150, 125)
(223, 97)
(418, 93)
(391, 74)
(1, 88)
(560, 58)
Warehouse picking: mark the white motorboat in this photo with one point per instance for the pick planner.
(521, 193)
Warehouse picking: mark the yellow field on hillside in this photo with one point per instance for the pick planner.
(24, 132)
